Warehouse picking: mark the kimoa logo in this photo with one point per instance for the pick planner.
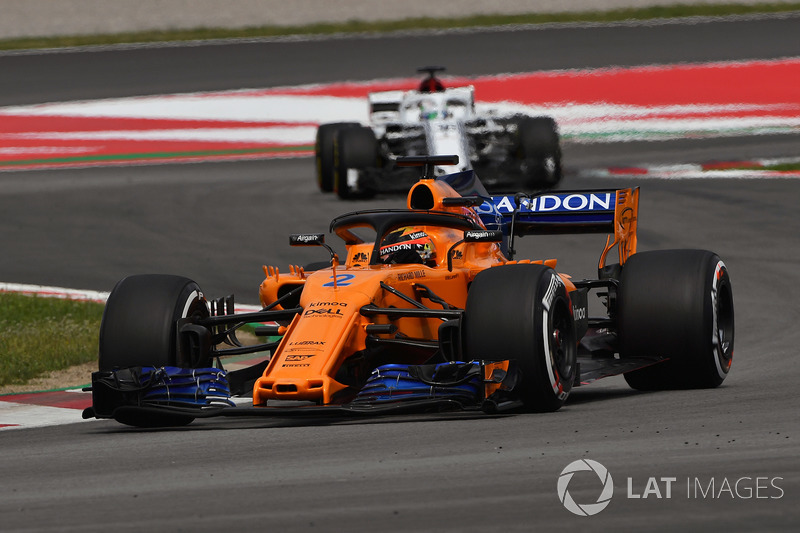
(587, 509)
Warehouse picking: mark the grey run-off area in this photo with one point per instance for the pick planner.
(49, 18)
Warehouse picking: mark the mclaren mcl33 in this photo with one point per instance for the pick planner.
(427, 308)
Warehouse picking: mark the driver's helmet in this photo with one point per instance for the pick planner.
(408, 245)
(428, 109)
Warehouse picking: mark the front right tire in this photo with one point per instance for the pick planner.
(139, 324)
(139, 329)
(354, 149)
(323, 152)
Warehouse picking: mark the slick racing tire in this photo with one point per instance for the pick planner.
(676, 304)
(139, 329)
(539, 151)
(353, 149)
(323, 152)
(523, 313)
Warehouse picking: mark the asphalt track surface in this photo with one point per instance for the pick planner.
(217, 223)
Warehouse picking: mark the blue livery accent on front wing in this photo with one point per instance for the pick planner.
(396, 382)
(188, 387)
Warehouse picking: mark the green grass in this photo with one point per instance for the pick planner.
(38, 335)
(789, 166)
(783, 167)
(673, 11)
(160, 155)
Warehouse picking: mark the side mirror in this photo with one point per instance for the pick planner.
(314, 239)
(307, 239)
(474, 235)
(484, 235)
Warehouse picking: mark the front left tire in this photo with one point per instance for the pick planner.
(522, 312)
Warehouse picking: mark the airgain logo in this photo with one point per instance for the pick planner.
(606, 492)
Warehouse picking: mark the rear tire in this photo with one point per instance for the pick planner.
(539, 150)
(323, 152)
(677, 304)
(354, 149)
(523, 312)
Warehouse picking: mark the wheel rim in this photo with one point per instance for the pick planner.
(195, 306)
(723, 328)
(562, 347)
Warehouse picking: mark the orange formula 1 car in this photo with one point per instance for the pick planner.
(427, 309)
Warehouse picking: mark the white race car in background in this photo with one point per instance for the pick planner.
(507, 151)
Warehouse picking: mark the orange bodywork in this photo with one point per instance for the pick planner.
(626, 217)
(318, 359)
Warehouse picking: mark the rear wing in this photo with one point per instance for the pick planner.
(610, 211)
